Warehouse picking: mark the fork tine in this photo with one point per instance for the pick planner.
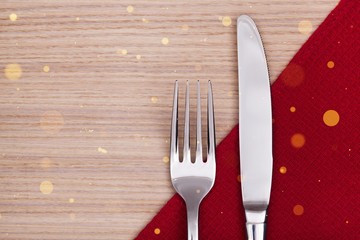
(187, 155)
(210, 124)
(199, 155)
(174, 141)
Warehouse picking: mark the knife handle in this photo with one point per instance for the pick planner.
(255, 231)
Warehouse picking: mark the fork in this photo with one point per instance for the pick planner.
(192, 179)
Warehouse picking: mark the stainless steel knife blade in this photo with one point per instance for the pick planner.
(255, 131)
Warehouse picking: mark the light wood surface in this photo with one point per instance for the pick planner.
(84, 143)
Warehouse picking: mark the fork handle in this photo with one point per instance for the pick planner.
(256, 231)
(192, 221)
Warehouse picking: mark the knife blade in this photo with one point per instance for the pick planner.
(255, 131)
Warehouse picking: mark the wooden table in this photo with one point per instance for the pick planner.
(86, 98)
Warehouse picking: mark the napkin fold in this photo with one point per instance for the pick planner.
(316, 109)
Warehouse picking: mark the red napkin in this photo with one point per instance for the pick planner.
(316, 108)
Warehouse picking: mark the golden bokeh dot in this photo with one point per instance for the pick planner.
(145, 20)
(166, 159)
(46, 187)
(46, 68)
(165, 41)
(13, 71)
(13, 17)
(283, 170)
(293, 75)
(71, 200)
(297, 140)
(305, 27)
(130, 9)
(331, 118)
(102, 150)
(77, 19)
(154, 99)
(138, 57)
(298, 210)
(157, 231)
(292, 109)
(220, 18)
(52, 121)
(226, 21)
(121, 52)
(330, 64)
(238, 178)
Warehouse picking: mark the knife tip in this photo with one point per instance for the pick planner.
(244, 18)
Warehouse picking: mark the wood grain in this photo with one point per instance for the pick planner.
(96, 125)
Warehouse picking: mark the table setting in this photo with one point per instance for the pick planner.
(248, 148)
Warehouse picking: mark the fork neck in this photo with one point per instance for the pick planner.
(192, 221)
(256, 231)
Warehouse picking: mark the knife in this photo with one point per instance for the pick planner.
(255, 131)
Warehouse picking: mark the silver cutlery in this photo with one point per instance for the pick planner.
(192, 180)
(255, 130)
